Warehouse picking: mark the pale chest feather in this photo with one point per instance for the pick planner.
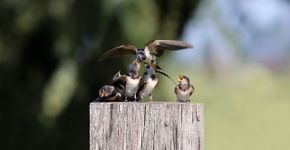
(149, 87)
(131, 86)
(183, 94)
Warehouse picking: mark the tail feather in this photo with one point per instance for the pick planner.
(161, 71)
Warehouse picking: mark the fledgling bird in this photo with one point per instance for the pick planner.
(114, 91)
(147, 83)
(108, 93)
(130, 81)
(184, 89)
(149, 54)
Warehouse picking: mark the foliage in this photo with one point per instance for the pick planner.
(49, 69)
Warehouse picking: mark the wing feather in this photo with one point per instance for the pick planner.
(141, 85)
(175, 89)
(192, 90)
(119, 51)
(161, 71)
(157, 47)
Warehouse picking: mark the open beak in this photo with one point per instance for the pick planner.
(180, 78)
(101, 94)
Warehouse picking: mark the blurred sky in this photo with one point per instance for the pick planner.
(240, 69)
(256, 30)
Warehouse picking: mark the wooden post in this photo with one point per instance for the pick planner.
(146, 126)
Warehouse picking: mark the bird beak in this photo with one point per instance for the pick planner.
(101, 94)
(105, 94)
(180, 78)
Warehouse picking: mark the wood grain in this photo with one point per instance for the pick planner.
(146, 126)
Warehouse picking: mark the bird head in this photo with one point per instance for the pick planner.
(140, 56)
(182, 79)
(149, 69)
(106, 91)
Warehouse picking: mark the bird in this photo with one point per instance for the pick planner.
(152, 50)
(119, 82)
(108, 93)
(114, 91)
(148, 83)
(128, 83)
(149, 54)
(132, 81)
(184, 89)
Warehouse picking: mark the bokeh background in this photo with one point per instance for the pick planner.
(49, 69)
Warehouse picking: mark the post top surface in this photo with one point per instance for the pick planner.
(149, 103)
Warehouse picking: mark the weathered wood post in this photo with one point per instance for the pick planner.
(146, 126)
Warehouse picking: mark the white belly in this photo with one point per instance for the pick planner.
(183, 96)
(151, 84)
(131, 86)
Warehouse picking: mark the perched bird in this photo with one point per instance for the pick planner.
(184, 90)
(132, 81)
(149, 54)
(147, 83)
(114, 91)
(129, 83)
(108, 93)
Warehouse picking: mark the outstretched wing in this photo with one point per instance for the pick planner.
(119, 51)
(157, 47)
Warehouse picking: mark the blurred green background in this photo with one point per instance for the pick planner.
(49, 69)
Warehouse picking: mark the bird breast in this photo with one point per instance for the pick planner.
(183, 94)
(149, 87)
(152, 83)
(131, 86)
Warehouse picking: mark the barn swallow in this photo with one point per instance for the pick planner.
(153, 49)
(109, 93)
(114, 91)
(147, 83)
(149, 54)
(132, 81)
(184, 90)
